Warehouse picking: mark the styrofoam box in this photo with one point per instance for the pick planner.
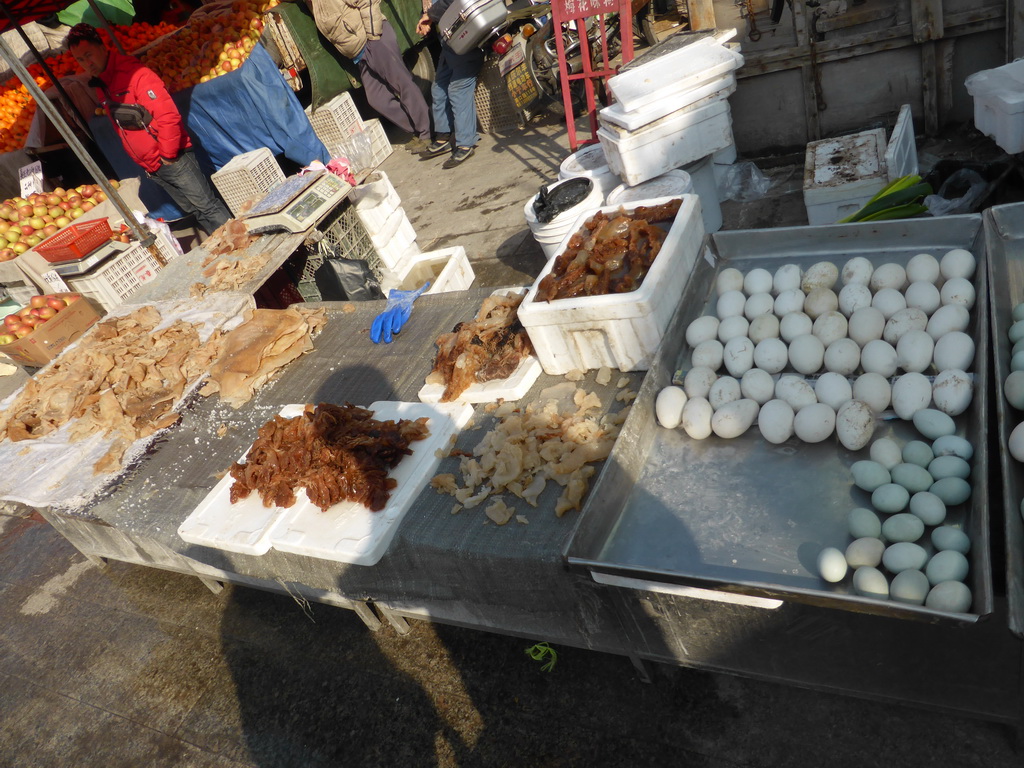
(843, 173)
(395, 253)
(447, 269)
(375, 190)
(397, 227)
(719, 88)
(374, 218)
(674, 73)
(619, 330)
(682, 137)
(999, 104)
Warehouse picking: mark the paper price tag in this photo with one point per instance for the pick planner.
(31, 178)
(54, 281)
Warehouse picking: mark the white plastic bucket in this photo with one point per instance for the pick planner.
(550, 235)
(669, 184)
(589, 161)
(702, 173)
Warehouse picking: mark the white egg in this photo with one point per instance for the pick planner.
(910, 393)
(958, 290)
(708, 354)
(878, 357)
(869, 475)
(912, 477)
(821, 275)
(757, 385)
(829, 327)
(789, 301)
(888, 301)
(697, 415)
(924, 296)
(702, 329)
(904, 556)
(794, 324)
(929, 507)
(886, 452)
(952, 391)
(819, 301)
(1016, 332)
(731, 327)
(917, 452)
(668, 407)
(857, 271)
(729, 279)
(814, 423)
(853, 297)
(949, 597)
(914, 351)
(903, 527)
(957, 263)
(909, 319)
(730, 303)
(763, 327)
(758, 304)
(947, 565)
(733, 419)
(866, 325)
(832, 565)
(787, 277)
(954, 350)
(698, 381)
(864, 523)
(909, 587)
(806, 354)
(855, 424)
(870, 582)
(757, 280)
(1015, 444)
(948, 318)
(888, 276)
(738, 355)
(947, 537)
(949, 466)
(923, 268)
(873, 389)
(833, 390)
(842, 356)
(771, 355)
(796, 391)
(1013, 389)
(775, 421)
(725, 390)
(952, 445)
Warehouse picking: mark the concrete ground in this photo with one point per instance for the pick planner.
(128, 666)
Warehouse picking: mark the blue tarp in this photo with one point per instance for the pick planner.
(243, 110)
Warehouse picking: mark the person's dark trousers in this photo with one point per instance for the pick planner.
(390, 88)
(191, 190)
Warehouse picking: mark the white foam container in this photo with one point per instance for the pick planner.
(682, 137)
(999, 104)
(670, 184)
(589, 162)
(620, 330)
(375, 189)
(549, 236)
(615, 114)
(447, 269)
(705, 185)
(376, 204)
(834, 190)
(675, 73)
(394, 241)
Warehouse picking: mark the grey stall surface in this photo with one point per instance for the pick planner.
(129, 666)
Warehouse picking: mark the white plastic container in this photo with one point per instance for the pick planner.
(999, 104)
(669, 184)
(551, 235)
(399, 246)
(673, 141)
(589, 162)
(843, 173)
(620, 330)
(375, 218)
(615, 114)
(447, 269)
(375, 191)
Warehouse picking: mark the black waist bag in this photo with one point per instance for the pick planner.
(130, 117)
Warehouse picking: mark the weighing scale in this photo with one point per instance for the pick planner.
(79, 266)
(297, 203)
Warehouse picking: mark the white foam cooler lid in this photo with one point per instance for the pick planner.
(677, 182)
(1004, 84)
(584, 161)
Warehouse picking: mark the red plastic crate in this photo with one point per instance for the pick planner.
(75, 241)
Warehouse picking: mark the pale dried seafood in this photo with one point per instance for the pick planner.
(336, 453)
(558, 439)
(608, 254)
(229, 265)
(489, 347)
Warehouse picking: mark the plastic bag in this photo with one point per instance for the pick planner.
(161, 227)
(960, 193)
(340, 279)
(744, 183)
(557, 198)
(358, 150)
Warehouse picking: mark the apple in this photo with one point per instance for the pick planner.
(30, 320)
(33, 240)
(71, 298)
(56, 302)
(87, 190)
(38, 210)
(52, 199)
(25, 211)
(64, 205)
(22, 331)
(36, 222)
(10, 321)
(50, 229)
(20, 247)
(55, 210)
(46, 313)
(62, 221)
(27, 229)
(88, 205)
(100, 196)
(12, 235)
(7, 338)
(5, 210)
(37, 301)
(75, 213)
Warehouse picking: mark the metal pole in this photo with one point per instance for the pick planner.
(145, 237)
(106, 24)
(73, 110)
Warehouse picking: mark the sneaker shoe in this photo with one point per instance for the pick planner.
(459, 156)
(416, 145)
(439, 146)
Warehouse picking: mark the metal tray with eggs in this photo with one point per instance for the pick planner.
(747, 520)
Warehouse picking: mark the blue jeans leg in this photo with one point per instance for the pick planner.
(439, 105)
(461, 93)
(191, 190)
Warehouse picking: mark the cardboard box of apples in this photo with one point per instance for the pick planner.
(37, 333)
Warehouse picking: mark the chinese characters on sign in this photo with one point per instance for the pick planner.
(577, 9)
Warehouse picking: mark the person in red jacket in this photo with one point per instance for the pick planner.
(149, 124)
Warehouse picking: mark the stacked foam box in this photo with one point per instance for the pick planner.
(999, 104)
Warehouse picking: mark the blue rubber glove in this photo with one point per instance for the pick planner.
(396, 313)
(359, 56)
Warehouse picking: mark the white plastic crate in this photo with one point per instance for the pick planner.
(21, 291)
(999, 104)
(117, 278)
(447, 269)
(682, 137)
(379, 142)
(619, 330)
(335, 121)
(246, 176)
